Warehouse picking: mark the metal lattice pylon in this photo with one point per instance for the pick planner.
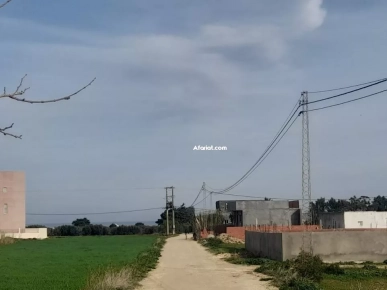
(306, 217)
(204, 198)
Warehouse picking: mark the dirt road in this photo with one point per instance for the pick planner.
(186, 265)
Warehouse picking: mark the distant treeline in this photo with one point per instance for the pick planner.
(83, 227)
(100, 230)
(362, 203)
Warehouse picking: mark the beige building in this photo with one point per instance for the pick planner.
(354, 220)
(12, 201)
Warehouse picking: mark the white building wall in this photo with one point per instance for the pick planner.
(365, 220)
(34, 233)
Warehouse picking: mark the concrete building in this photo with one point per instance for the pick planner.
(261, 212)
(354, 220)
(13, 208)
(330, 245)
(12, 201)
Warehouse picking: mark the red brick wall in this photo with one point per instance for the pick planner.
(236, 232)
(239, 232)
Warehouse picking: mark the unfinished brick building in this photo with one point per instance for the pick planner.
(12, 201)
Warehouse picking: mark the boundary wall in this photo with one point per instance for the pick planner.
(331, 245)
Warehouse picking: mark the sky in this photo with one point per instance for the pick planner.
(171, 75)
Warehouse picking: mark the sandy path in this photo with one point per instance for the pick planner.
(186, 265)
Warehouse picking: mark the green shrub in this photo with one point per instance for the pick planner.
(385, 262)
(309, 266)
(367, 263)
(35, 227)
(334, 269)
(255, 261)
(301, 284)
(302, 273)
(369, 267)
(213, 242)
(269, 267)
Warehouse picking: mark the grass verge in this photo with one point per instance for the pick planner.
(306, 272)
(6, 240)
(357, 279)
(234, 253)
(128, 276)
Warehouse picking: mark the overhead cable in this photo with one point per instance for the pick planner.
(352, 91)
(343, 88)
(197, 195)
(342, 103)
(98, 213)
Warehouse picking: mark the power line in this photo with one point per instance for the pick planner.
(256, 164)
(342, 103)
(284, 126)
(263, 156)
(99, 213)
(212, 189)
(352, 91)
(253, 196)
(197, 195)
(101, 189)
(343, 88)
(275, 145)
(276, 198)
(203, 199)
(274, 142)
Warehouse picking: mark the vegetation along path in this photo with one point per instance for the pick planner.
(185, 264)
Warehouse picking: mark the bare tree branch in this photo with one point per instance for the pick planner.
(2, 131)
(5, 3)
(20, 92)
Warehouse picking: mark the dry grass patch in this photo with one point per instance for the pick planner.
(6, 240)
(129, 276)
(111, 279)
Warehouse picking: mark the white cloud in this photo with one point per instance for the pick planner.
(147, 86)
(312, 15)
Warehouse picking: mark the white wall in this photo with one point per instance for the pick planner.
(365, 220)
(36, 233)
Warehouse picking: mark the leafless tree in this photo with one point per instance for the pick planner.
(18, 95)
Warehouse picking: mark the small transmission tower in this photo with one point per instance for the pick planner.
(170, 205)
(204, 196)
(306, 217)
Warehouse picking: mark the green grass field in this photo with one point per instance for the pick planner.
(356, 279)
(370, 284)
(64, 263)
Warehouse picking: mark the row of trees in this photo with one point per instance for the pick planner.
(83, 227)
(100, 230)
(184, 218)
(362, 203)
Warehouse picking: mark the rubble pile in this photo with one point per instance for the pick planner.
(230, 240)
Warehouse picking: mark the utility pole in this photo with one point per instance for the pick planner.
(169, 201)
(167, 209)
(211, 212)
(306, 185)
(173, 212)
